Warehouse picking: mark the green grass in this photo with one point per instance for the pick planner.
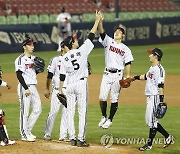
(141, 64)
(128, 123)
(129, 120)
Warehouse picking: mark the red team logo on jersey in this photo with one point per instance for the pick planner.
(29, 65)
(116, 50)
(150, 75)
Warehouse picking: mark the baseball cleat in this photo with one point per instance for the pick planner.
(10, 142)
(47, 137)
(107, 124)
(28, 139)
(103, 120)
(82, 144)
(145, 147)
(168, 141)
(33, 136)
(73, 142)
(64, 139)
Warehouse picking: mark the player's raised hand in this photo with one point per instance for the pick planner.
(98, 15)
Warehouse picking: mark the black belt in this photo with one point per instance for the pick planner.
(113, 71)
(82, 78)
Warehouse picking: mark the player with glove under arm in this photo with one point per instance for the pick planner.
(27, 91)
(154, 91)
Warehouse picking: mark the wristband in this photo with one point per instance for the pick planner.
(137, 77)
(161, 98)
(4, 84)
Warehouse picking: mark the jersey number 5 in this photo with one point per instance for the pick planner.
(75, 64)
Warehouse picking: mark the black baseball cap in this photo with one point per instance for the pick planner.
(68, 41)
(118, 27)
(156, 51)
(28, 41)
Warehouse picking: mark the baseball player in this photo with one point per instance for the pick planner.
(74, 65)
(64, 25)
(53, 75)
(27, 92)
(154, 91)
(117, 56)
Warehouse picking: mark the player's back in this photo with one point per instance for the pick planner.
(75, 64)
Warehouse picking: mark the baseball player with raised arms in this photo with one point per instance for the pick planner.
(74, 65)
(117, 56)
(53, 75)
(154, 90)
(27, 91)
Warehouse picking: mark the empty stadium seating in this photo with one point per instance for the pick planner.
(46, 11)
(27, 7)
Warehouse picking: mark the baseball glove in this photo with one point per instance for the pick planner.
(89, 68)
(161, 110)
(125, 83)
(62, 99)
(39, 64)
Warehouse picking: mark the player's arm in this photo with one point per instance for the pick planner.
(94, 28)
(161, 91)
(4, 84)
(101, 29)
(48, 82)
(128, 69)
(23, 83)
(140, 77)
(62, 79)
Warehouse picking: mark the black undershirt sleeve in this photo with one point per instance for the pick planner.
(50, 75)
(128, 63)
(103, 36)
(62, 77)
(0, 81)
(91, 36)
(21, 79)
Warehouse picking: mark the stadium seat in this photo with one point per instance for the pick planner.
(2, 20)
(12, 19)
(33, 19)
(88, 17)
(23, 19)
(44, 18)
(109, 16)
(52, 18)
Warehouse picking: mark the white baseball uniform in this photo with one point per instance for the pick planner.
(116, 56)
(54, 68)
(63, 26)
(74, 64)
(155, 76)
(26, 66)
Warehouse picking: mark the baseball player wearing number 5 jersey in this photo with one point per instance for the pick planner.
(27, 92)
(53, 74)
(117, 56)
(154, 91)
(74, 65)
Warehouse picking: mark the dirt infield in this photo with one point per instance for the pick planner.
(55, 147)
(131, 96)
(134, 95)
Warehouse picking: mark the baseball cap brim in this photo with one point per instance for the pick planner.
(28, 42)
(75, 36)
(150, 51)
